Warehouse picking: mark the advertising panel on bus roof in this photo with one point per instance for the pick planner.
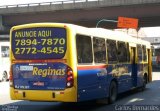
(39, 43)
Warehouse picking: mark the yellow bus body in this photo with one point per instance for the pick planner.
(69, 94)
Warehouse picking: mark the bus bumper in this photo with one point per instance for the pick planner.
(67, 95)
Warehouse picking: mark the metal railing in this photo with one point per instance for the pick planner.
(47, 3)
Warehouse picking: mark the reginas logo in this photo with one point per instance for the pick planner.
(48, 72)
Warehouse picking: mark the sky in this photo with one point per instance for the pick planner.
(150, 31)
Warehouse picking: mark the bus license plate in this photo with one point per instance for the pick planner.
(38, 83)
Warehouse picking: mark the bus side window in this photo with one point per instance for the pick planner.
(122, 52)
(99, 50)
(144, 53)
(128, 53)
(84, 49)
(111, 51)
(139, 51)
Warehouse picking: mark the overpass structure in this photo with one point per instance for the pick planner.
(81, 12)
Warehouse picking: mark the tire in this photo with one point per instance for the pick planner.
(5, 76)
(144, 82)
(112, 92)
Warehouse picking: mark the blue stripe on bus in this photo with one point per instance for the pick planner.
(91, 84)
(94, 83)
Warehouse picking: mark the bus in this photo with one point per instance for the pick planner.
(156, 56)
(4, 60)
(70, 63)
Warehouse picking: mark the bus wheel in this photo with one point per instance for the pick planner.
(144, 82)
(112, 92)
(5, 76)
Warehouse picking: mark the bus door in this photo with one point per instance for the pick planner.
(134, 66)
(149, 65)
